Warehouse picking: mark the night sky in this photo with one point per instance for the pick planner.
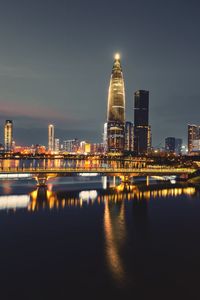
(56, 59)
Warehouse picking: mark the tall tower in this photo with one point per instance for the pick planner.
(8, 135)
(51, 137)
(141, 122)
(116, 110)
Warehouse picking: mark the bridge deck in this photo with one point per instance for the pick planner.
(69, 171)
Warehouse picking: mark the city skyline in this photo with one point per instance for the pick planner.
(53, 69)
(99, 149)
(116, 107)
(116, 75)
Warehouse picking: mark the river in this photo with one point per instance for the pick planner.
(95, 238)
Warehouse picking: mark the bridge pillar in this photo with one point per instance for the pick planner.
(41, 180)
(125, 178)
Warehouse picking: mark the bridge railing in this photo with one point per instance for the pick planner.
(162, 169)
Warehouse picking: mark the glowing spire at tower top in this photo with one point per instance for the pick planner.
(117, 56)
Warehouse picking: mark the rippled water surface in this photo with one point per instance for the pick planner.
(96, 239)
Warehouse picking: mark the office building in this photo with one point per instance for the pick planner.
(51, 137)
(97, 148)
(170, 144)
(8, 135)
(195, 146)
(85, 148)
(193, 134)
(129, 137)
(57, 145)
(71, 146)
(142, 130)
(178, 145)
(116, 110)
(173, 145)
(105, 137)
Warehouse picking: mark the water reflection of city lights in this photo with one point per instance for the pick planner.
(88, 195)
(93, 195)
(14, 201)
(51, 200)
(173, 181)
(114, 236)
(104, 182)
(50, 186)
(7, 187)
(15, 176)
(88, 174)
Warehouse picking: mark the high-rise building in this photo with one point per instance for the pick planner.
(170, 144)
(149, 138)
(85, 147)
(57, 145)
(105, 137)
(193, 134)
(8, 135)
(142, 131)
(97, 148)
(116, 110)
(51, 137)
(129, 137)
(196, 146)
(71, 146)
(173, 145)
(178, 145)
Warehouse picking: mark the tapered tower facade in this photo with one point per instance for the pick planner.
(116, 110)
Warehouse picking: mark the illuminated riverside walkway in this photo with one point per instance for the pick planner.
(42, 175)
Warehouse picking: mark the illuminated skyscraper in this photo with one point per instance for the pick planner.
(105, 139)
(129, 137)
(8, 135)
(142, 130)
(116, 110)
(57, 145)
(193, 135)
(51, 137)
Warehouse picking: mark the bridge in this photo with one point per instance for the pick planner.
(43, 174)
